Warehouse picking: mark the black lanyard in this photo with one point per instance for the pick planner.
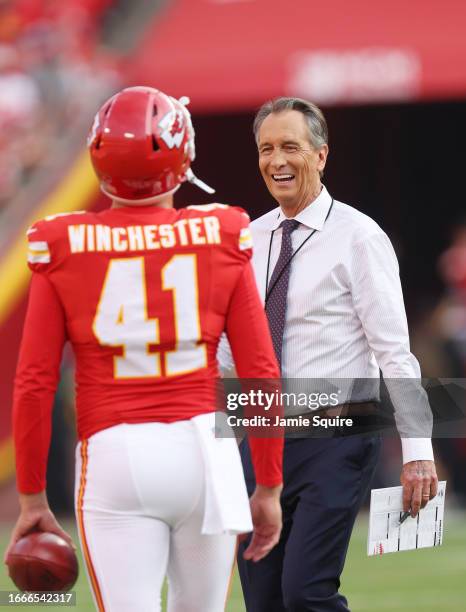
(269, 291)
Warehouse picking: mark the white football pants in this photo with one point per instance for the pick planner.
(139, 506)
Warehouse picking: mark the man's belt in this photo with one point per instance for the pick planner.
(341, 420)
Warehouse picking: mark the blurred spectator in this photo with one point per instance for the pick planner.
(450, 317)
(53, 73)
(452, 267)
(21, 123)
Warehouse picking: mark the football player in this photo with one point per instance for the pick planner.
(143, 292)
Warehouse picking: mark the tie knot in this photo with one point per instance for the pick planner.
(289, 225)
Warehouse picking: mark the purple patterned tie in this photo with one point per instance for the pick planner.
(278, 288)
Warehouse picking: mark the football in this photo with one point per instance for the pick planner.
(43, 562)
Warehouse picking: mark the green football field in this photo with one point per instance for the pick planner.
(428, 579)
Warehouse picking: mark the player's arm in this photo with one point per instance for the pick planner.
(37, 377)
(248, 333)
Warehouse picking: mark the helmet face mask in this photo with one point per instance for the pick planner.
(141, 144)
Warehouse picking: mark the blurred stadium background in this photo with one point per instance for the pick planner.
(391, 78)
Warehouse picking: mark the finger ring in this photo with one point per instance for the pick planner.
(425, 496)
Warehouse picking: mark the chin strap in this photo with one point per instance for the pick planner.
(192, 178)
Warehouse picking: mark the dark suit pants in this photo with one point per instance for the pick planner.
(326, 481)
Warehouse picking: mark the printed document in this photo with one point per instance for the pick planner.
(387, 535)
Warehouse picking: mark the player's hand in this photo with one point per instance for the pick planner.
(35, 515)
(266, 514)
(420, 484)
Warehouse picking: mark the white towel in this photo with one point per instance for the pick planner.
(226, 508)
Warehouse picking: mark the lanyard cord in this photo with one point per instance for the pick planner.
(268, 291)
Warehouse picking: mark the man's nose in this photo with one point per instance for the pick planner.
(278, 159)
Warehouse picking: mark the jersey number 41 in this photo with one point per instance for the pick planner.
(121, 318)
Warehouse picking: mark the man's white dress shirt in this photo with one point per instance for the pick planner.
(345, 314)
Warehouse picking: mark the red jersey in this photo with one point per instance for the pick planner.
(143, 295)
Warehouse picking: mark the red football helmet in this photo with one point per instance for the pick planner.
(142, 144)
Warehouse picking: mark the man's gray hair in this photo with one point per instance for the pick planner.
(318, 131)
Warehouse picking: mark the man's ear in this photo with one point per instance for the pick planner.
(323, 153)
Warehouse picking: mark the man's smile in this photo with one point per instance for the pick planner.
(282, 178)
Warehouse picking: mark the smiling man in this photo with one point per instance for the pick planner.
(292, 159)
(329, 278)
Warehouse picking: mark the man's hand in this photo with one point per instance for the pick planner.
(420, 483)
(267, 520)
(35, 515)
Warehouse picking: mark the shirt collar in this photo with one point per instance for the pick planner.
(313, 216)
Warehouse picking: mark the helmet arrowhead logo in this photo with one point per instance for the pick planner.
(172, 127)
